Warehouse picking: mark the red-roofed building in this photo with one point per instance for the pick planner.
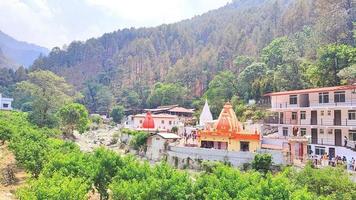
(227, 133)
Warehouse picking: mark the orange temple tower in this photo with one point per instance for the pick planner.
(227, 133)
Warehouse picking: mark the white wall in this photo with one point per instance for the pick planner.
(236, 158)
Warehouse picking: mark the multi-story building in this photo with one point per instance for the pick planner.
(5, 103)
(327, 116)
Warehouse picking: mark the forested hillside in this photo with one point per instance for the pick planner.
(283, 44)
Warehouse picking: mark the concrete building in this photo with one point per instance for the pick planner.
(5, 103)
(157, 144)
(326, 116)
(161, 122)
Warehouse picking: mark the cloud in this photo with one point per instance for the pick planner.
(57, 22)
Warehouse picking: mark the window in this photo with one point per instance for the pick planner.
(140, 121)
(339, 96)
(322, 113)
(352, 135)
(303, 131)
(5, 105)
(294, 115)
(170, 122)
(162, 122)
(321, 131)
(285, 131)
(330, 131)
(324, 97)
(352, 114)
(319, 150)
(302, 115)
(329, 112)
(293, 99)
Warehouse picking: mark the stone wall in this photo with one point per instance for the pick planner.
(191, 157)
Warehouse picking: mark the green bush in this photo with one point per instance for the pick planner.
(262, 163)
(139, 140)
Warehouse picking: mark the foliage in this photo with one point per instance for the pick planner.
(56, 187)
(348, 74)
(48, 93)
(139, 140)
(262, 163)
(97, 98)
(105, 166)
(332, 59)
(117, 114)
(221, 89)
(72, 117)
(167, 94)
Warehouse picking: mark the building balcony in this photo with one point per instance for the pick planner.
(331, 142)
(312, 104)
(312, 122)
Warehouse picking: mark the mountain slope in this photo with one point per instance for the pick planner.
(22, 53)
(192, 52)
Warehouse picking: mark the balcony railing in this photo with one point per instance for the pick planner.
(312, 122)
(313, 104)
(328, 141)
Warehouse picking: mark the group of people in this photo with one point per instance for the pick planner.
(330, 160)
(187, 136)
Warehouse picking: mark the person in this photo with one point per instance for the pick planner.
(345, 141)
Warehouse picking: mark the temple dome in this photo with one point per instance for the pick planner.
(227, 120)
(205, 115)
(148, 122)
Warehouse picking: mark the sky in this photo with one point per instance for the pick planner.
(51, 23)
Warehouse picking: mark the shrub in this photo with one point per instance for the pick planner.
(262, 163)
(139, 140)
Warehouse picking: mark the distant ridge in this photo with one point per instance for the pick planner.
(18, 53)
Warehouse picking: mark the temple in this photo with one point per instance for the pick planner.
(205, 115)
(227, 133)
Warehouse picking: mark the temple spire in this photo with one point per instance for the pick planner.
(205, 115)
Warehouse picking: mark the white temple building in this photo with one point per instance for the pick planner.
(205, 116)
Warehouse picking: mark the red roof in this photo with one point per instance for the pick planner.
(148, 122)
(313, 90)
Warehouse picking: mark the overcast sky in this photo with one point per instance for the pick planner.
(56, 22)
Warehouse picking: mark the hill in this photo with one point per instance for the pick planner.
(193, 51)
(20, 53)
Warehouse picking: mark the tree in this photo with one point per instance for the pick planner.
(348, 75)
(332, 59)
(241, 62)
(221, 89)
(56, 187)
(118, 113)
(262, 163)
(106, 163)
(250, 81)
(97, 98)
(72, 117)
(167, 94)
(48, 93)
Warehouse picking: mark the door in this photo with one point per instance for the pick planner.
(314, 136)
(332, 152)
(281, 116)
(314, 117)
(338, 137)
(337, 117)
(244, 146)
